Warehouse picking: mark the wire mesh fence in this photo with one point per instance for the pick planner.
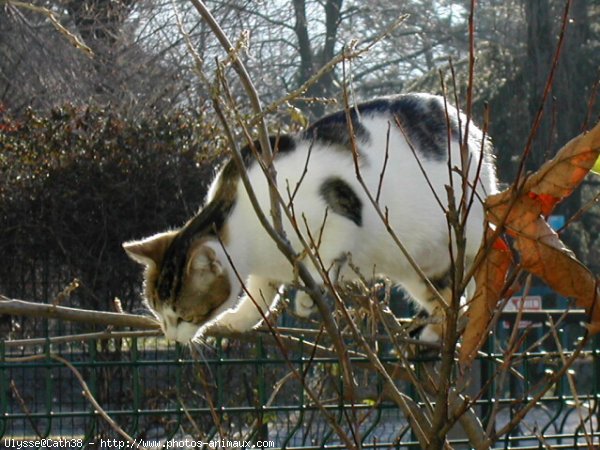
(240, 390)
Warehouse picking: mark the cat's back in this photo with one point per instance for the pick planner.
(404, 140)
(390, 153)
(423, 118)
(399, 145)
(425, 121)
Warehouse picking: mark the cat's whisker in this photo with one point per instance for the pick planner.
(201, 343)
(198, 346)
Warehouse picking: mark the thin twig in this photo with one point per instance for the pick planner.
(456, 219)
(103, 335)
(380, 213)
(578, 405)
(345, 55)
(509, 354)
(87, 393)
(578, 214)
(284, 351)
(385, 162)
(25, 409)
(534, 401)
(16, 307)
(547, 89)
(267, 153)
(72, 38)
(312, 287)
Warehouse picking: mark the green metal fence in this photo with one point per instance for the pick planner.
(238, 391)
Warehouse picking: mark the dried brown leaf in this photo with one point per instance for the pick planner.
(520, 214)
(490, 278)
(544, 255)
(557, 178)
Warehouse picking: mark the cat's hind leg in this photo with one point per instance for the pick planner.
(428, 300)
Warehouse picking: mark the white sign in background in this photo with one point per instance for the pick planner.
(530, 303)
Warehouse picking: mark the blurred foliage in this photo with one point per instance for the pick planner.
(76, 182)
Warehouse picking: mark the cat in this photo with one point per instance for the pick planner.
(193, 276)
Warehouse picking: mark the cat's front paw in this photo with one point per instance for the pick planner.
(232, 325)
(431, 333)
(241, 319)
(216, 329)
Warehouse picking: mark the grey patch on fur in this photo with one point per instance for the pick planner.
(341, 199)
(280, 145)
(422, 118)
(442, 281)
(333, 129)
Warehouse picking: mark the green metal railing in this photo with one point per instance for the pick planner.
(158, 391)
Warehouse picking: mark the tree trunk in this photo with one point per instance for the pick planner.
(100, 23)
(310, 60)
(540, 49)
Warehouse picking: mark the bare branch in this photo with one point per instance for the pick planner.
(74, 40)
(23, 308)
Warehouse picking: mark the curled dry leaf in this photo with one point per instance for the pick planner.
(490, 278)
(557, 178)
(542, 253)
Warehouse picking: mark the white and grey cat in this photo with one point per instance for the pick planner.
(190, 283)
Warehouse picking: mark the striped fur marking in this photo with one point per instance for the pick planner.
(211, 220)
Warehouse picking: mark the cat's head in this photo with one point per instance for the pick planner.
(184, 282)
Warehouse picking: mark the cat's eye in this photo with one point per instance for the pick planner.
(180, 321)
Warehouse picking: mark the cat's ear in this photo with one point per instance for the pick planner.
(151, 250)
(202, 258)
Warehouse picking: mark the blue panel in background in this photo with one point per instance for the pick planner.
(556, 221)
